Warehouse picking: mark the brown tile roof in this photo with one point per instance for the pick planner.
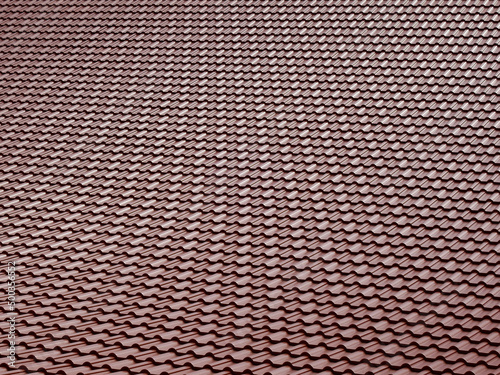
(264, 187)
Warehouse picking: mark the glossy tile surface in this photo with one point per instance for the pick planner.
(272, 187)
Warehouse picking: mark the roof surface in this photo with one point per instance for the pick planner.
(269, 187)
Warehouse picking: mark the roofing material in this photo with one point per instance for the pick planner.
(264, 187)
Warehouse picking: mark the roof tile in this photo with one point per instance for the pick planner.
(265, 188)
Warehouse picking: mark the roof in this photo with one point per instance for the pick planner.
(267, 187)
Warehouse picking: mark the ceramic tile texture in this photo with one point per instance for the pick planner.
(240, 187)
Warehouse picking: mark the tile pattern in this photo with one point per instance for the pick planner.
(234, 187)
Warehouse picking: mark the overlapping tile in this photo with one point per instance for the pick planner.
(269, 187)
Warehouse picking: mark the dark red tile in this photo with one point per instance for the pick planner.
(269, 188)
